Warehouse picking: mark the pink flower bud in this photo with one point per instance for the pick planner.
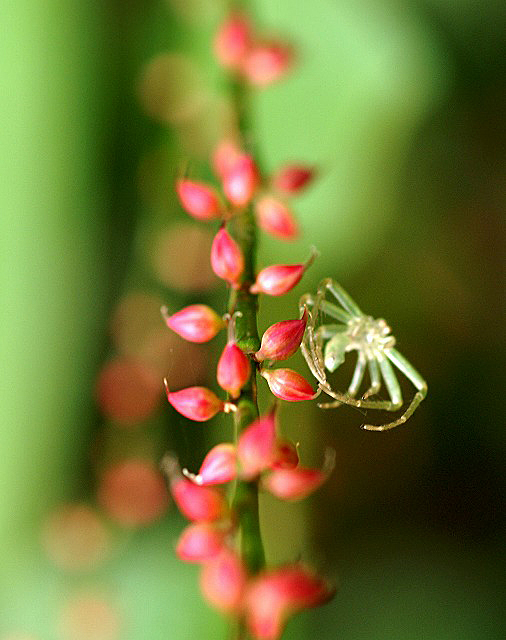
(219, 465)
(233, 369)
(241, 180)
(196, 323)
(225, 157)
(223, 580)
(281, 340)
(297, 483)
(233, 40)
(227, 259)
(266, 63)
(195, 403)
(200, 504)
(273, 596)
(276, 218)
(199, 200)
(288, 385)
(256, 446)
(292, 179)
(285, 455)
(200, 542)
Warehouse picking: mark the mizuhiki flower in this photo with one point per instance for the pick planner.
(274, 217)
(278, 279)
(256, 445)
(227, 260)
(273, 596)
(199, 200)
(222, 581)
(285, 455)
(195, 323)
(219, 466)
(292, 179)
(297, 483)
(288, 385)
(267, 62)
(196, 403)
(233, 40)
(200, 542)
(281, 340)
(241, 180)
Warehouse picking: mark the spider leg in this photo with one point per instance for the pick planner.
(341, 296)
(355, 383)
(345, 398)
(374, 373)
(334, 311)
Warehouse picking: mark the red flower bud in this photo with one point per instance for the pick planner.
(225, 157)
(222, 581)
(281, 340)
(233, 40)
(256, 446)
(281, 278)
(200, 542)
(292, 179)
(274, 595)
(199, 200)
(195, 403)
(219, 466)
(276, 218)
(288, 385)
(196, 323)
(233, 369)
(241, 180)
(297, 483)
(227, 259)
(266, 63)
(285, 455)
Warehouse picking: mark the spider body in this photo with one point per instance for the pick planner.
(325, 347)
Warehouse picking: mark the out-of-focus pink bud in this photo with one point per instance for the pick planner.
(233, 40)
(233, 369)
(292, 179)
(266, 63)
(274, 595)
(200, 542)
(219, 466)
(281, 340)
(285, 455)
(223, 580)
(241, 180)
(199, 200)
(256, 445)
(195, 403)
(227, 259)
(275, 217)
(196, 323)
(296, 484)
(288, 385)
(225, 157)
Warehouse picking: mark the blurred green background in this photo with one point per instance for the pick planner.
(401, 107)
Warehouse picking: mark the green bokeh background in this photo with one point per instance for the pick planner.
(402, 106)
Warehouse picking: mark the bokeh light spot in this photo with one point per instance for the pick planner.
(89, 617)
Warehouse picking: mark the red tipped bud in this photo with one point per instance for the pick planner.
(233, 369)
(196, 323)
(288, 385)
(241, 180)
(275, 595)
(219, 466)
(285, 455)
(199, 200)
(233, 40)
(256, 446)
(281, 278)
(292, 179)
(200, 542)
(195, 403)
(276, 218)
(227, 259)
(223, 580)
(281, 340)
(266, 63)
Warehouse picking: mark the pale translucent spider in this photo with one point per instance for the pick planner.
(325, 348)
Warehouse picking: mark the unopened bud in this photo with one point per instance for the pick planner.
(227, 259)
(292, 179)
(285, 455)
(223, 580)
(200, 542)
(196, 403)
(256, 446)
(281, 340)
(225, 156)
(199, 200)
(196, 323)
(219, 466)
(233, 40)
(288, 385)
(266, 63)
(241, 180)
(278, 279)
(233, 369)
(275, 217)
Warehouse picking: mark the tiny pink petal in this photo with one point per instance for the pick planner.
(200, 542)
(285, 455)
(233, 369)
(196, 403)
(199, 504)
(219, 465)
(199, 200)
(288, 385)
(223, 580)
(281, 340)
(278, 279)
(195, 323)
(293, 484)
(227, 260)
(267, 62)
(226, 155)
(256, 446)
(233, 40)
(292, 179)
(275, 217)
(241, 180)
